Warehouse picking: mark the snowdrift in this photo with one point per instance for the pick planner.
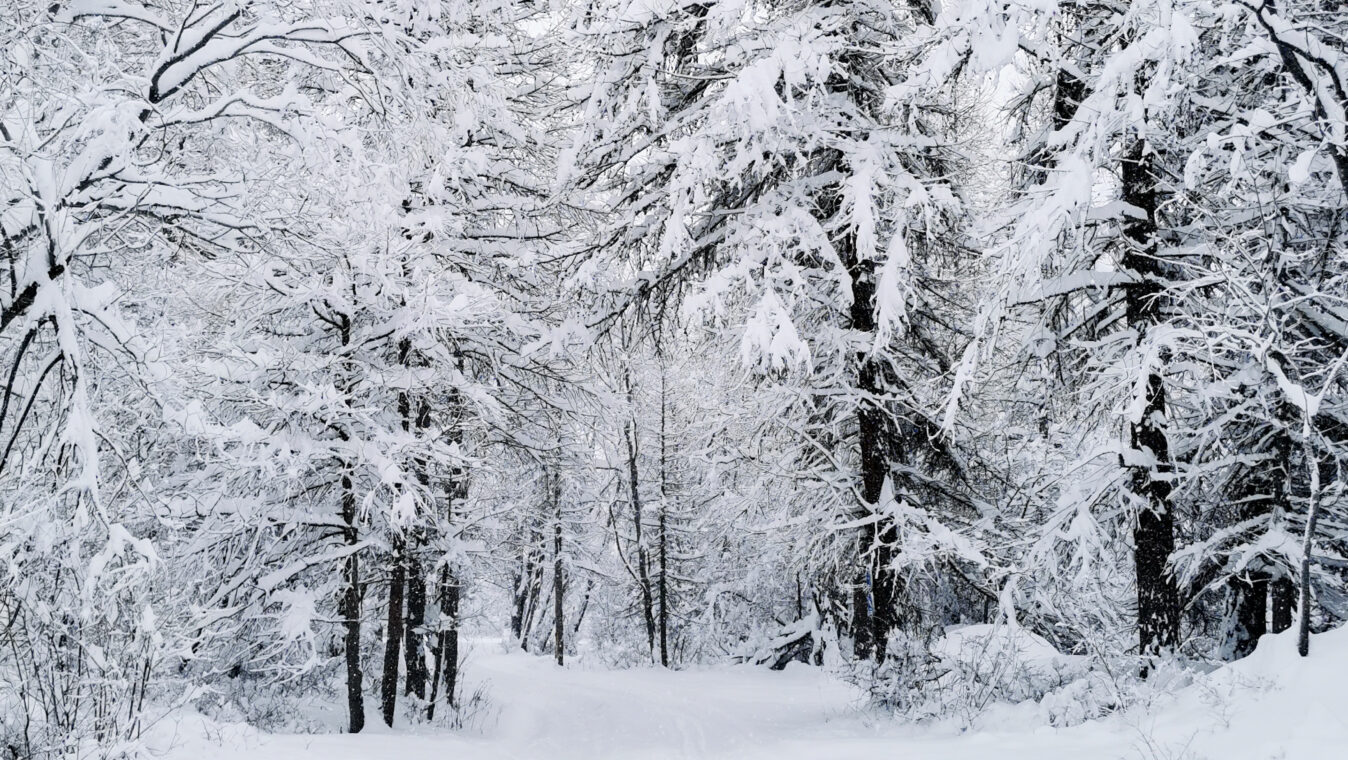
(1273, 705)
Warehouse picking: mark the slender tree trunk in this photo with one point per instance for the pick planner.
(355, 701)
(1158, 605)
(643, 572)
(437, 667)
(664, 526)
(351, 601)
(450, 591)
(584, 605)
(521, 598)
(1262, 493)
(449, 612)
(388, 686)
(532, 594)
(558, 580)
(446, 656)
(1308, 544)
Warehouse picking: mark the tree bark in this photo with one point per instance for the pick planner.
(446, 649)
(664, 526)
(1308, 544)
(415, 665)
(643, 571)
(1282, 596)
(875, 590)
(1262, 492)
(1250, 600)
(532, 592)
(415, 680)
(351, 601)
(388, 686)
(521, 597)
(1158, 605)
(355, 702)
(445, 666)
(558, 580)
(449, 646)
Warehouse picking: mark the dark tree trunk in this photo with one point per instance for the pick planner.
(415, 666)
(521, 599)
(875, 592)
(1154, 532)
(351, 592)
(532, 594)
(355, 701)
(1307, 545)
(1261, 491)
(1282, 598)
(449, 646)
(1158, 605)
(877, 538)
(584, 605)
(388, 682)
(664, 592)
(643, 571)
(446, 649)
(874, 615)
(664, 528)
(1250, 600)
(558, 579)
(445, 668)
(416, 621)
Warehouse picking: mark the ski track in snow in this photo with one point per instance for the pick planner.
(1271, 706)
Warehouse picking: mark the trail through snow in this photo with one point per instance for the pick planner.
(1272, 706)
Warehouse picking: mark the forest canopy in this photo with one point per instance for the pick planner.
(660, 332)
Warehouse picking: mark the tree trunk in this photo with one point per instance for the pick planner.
(534, 589)
(1250, 601)
(875, 590)
(874, 615)
(388, 686)
(584, 605)
(355, 703)
(415, 665)
(1282, 597)
(664, 527)
(1308, 544)
(1261, 491)
(449, 613)
(1154, 532)
(351, 602)
(415, 680)
(521, 598)
(643, 572)
(446, 655)
(558, 581)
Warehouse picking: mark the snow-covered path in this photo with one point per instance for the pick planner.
(1269, 707)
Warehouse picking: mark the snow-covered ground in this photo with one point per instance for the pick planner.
(1271, 706)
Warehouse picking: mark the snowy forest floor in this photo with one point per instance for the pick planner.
(1273, 705)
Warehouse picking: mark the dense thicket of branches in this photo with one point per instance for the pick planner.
(657, 331)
